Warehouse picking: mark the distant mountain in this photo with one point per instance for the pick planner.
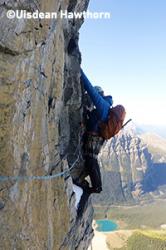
(133, 164)
(156, 145)
(152, 137)
(155, 129)
(154, 140)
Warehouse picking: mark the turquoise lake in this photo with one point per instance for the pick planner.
(106, 225)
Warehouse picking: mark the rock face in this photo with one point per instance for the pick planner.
(40, 107)
(127, 168)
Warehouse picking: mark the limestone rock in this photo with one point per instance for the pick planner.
(40, 107)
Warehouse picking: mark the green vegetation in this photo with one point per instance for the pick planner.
(146, 240)
(141, 222)
(146, 216)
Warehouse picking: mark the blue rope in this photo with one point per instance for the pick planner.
(30, 178)
(45, 177)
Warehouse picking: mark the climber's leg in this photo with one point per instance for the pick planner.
(94, 173)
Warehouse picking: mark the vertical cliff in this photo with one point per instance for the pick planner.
(127, 168)
(40, 115)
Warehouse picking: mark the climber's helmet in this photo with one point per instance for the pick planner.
(99, 90)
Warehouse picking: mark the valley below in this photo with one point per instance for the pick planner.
(140, 226)
(133, 167)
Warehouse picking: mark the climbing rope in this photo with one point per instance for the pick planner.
(45, 177)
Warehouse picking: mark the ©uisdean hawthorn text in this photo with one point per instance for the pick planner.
(62, 14)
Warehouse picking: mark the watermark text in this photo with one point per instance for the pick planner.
(63, 14)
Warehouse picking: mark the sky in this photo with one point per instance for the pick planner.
(126, 55)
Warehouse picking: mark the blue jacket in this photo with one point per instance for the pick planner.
(102, 106)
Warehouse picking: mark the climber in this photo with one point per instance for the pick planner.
(93, 138)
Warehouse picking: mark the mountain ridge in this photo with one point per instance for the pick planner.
(130, 168)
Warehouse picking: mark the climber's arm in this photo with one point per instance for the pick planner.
(102, 106)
